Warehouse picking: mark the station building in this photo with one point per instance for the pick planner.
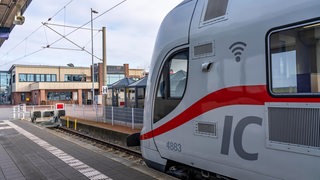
(48, 85)
(4, 87)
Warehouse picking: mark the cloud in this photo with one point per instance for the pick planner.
(131, 32)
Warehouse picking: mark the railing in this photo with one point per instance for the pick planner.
(86, 112)
(133, 116)
(114, 115)
(23, 111)
(19, 112)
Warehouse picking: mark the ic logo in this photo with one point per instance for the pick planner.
(237, 48)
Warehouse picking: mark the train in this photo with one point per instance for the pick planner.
(233, 91)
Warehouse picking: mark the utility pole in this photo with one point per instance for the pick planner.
(104, 55)
(104, 71)
(92, 57)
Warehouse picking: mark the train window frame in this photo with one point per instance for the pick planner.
(216, 19)
(287, 48)
(166, 98)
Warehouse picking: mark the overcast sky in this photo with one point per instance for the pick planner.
(131, 32)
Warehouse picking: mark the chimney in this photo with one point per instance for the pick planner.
(126, 70)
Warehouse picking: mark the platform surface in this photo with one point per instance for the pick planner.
(31, 152)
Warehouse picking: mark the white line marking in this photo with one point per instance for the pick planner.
(5, 127)
(84, 169)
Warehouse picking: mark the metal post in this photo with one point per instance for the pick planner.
(112, 115)
(104, 69)
(14, 112)
(23, 111)
(96, 105)
(92, 57)
(132, 115)
(19, 112)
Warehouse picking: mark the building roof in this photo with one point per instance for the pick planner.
(45, 66)
(125, 82)
(9, 9)
(140, 83)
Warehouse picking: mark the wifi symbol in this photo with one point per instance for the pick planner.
(237, 48)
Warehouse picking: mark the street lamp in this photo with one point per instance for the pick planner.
(92, 58)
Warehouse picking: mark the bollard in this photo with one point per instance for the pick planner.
(75, 124)
(67, 122)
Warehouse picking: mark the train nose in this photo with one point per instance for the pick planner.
(133, 140)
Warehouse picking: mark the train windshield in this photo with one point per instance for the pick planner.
(295, 60)
(172, 84)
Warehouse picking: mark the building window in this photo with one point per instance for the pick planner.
(37, 77)
(48, 77)
(22, 78)
(13, 78)
(59, 96)
(30, 77)
(294, 61)
(53, 77)
(42, 78)
(75, 77)
(112, 78)
(171, 85)
(23, 97)
(96, 77)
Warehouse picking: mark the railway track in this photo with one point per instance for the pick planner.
(95, 141)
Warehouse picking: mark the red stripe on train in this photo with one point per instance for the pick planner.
(238, 95)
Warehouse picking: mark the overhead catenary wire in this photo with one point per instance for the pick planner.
(73, 27)
(76, 29)
(67, 49)
(63, 37)
(28, 37)
(21, 57)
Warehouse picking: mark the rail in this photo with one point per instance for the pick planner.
(103, 142)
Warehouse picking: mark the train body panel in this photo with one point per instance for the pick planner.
(233, 89)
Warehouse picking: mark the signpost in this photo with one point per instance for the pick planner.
(104, 89)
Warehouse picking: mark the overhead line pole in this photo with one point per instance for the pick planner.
(92, 57)
(104, 68)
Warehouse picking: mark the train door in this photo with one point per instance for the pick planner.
(168, 103)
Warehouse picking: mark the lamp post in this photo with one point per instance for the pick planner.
(92, 57)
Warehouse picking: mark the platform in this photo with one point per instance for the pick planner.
(28, 151)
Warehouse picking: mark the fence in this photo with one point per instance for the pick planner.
(133, 116)
(114, 115)
(19, 112)
(86, 112)
(23, 111)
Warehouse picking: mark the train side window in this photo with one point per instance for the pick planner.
(171, 85)
(215, 9)
(294, 60)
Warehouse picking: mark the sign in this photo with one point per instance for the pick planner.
(104, 89)
(60, 106)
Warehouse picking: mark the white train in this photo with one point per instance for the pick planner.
(234, 91)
